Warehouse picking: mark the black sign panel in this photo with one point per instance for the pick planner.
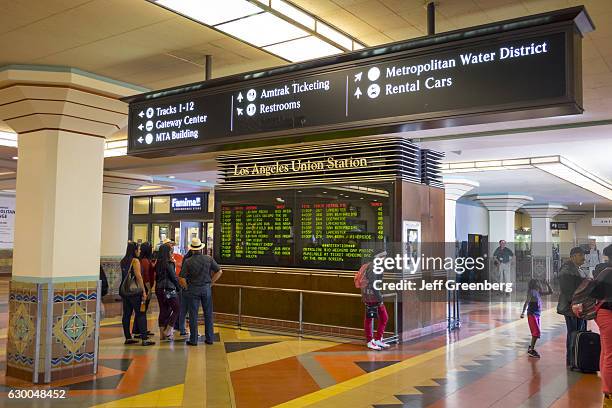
(182, 203)
(558, 226)
(441, 86)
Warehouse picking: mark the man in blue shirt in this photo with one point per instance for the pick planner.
(198, 274)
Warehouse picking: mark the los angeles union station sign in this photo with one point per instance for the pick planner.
(298, 166)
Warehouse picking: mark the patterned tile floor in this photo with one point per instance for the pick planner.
(481, 365)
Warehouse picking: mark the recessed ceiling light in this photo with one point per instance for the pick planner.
(275, 25)
(15, 157)
(172, 177)
(262, 29)
(203, 181)
(302, 49)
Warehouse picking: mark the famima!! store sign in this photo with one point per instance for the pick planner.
(186, 203)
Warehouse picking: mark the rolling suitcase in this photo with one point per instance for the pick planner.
(584, 352)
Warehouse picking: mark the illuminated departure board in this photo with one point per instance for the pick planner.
(327, 228)
(256, 232)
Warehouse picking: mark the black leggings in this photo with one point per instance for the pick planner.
(131, 304)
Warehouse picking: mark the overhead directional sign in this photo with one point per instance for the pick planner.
(517, 74)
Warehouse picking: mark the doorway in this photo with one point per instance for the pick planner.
(478, 247)
(186, 232)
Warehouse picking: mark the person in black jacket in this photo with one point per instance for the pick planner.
(166, 286)
(569, 280)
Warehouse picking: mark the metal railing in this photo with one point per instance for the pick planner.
(301, 293)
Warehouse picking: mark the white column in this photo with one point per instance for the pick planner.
(117, 189)
(541, 216)
(502, 208)
(115, 218)
(501, 214)
(541, 237)
(454, 188)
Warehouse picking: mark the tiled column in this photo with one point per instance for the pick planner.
(454, 188)
(62, 118)
(501, 219)
(541, 237)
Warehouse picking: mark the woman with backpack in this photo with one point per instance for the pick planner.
(374, 306)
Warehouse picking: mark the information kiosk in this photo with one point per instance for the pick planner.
(306, 217)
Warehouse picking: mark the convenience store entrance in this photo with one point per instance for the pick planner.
(187, 230)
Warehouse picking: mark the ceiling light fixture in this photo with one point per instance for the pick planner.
(262, 29)
(8, 139)
(203, 181)
(171, 177)
(15, 158)
(557, 166)
(275, 26)
(115, 148)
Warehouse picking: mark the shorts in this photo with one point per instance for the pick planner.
(534, 324)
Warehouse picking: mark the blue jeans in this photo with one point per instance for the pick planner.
(183, 307)
(203, 295)
(573, 324)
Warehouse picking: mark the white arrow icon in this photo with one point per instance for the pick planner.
(140, 139)
(141, 114)
(140, 126)
(239, 110)
(240, 97)
(358, 77)
(358, 93)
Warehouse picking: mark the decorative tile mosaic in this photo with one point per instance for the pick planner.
(73, 328)
(72, 331)
(21, 339)
(22, 328)
(112, 269)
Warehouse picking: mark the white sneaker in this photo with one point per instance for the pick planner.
(381, 344)
(372, 345)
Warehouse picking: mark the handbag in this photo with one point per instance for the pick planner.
(372, 311)
(129, 286)
(170, 293)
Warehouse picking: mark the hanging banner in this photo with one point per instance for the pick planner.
(7, 221)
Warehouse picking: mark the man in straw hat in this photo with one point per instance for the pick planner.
(197, 276)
